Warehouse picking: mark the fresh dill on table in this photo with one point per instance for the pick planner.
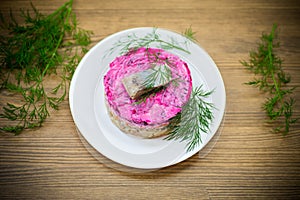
(271, 79)
(38, 48)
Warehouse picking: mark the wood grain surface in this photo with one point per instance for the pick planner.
(247, 162)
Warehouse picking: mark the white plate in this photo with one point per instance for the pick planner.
(91, 118)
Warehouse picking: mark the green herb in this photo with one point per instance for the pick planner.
(195, 117)
(133, 42)
(271, 78)
(29, 54)
(188, 33)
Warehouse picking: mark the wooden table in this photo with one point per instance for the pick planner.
(247, 162)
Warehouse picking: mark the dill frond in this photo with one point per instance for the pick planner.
(44, 45)
(272, 79)
(193, 120)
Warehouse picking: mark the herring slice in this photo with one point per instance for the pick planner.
(146, 81)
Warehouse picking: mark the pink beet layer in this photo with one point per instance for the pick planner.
(158, 108)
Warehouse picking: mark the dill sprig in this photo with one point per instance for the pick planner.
(29, 54)
(133, 42)
(190, 34)
(271, 79)
(193, 120)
